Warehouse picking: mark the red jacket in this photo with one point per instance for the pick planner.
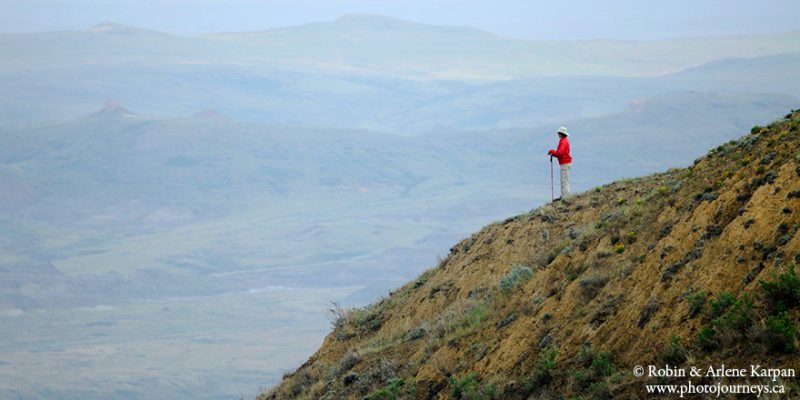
(562, 153)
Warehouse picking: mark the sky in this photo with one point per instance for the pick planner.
(523, 19)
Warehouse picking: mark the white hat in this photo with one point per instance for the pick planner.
(563, 130)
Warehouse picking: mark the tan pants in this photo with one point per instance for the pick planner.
(565, 179)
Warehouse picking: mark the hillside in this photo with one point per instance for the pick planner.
(692, 266)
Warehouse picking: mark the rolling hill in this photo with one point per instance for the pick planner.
(370, 72)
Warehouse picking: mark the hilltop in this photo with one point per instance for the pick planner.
(691, 266)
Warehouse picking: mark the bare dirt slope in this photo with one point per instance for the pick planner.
(690, 267)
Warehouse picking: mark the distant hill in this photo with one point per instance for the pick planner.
(385, 104)
(375, 44)
(688, 267)
(374, 73)
(113, 109)
(116, 178)
(531, 102)
(760, 74)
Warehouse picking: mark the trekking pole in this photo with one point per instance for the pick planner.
(552, 194)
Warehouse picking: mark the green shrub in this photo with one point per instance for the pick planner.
(391, 391)
(720, 304)
(734, 322)
(602, 365)
(545, 364)
(675, 354)
(518, 275)
(595, 367)
(581, 378)
(783, 332)
(738, 317)
(348, 321)
(469, 388)
(697, 301)
(366, 319)
(783, 293)
(707, 338)
(598, 363)
(600, 390)
(619, 248)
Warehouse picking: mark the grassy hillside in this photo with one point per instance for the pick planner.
(692, 266)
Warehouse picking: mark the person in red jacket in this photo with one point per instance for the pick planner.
(564, 159)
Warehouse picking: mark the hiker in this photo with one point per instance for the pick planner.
(564, 160)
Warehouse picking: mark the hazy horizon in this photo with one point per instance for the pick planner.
(570, 20)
